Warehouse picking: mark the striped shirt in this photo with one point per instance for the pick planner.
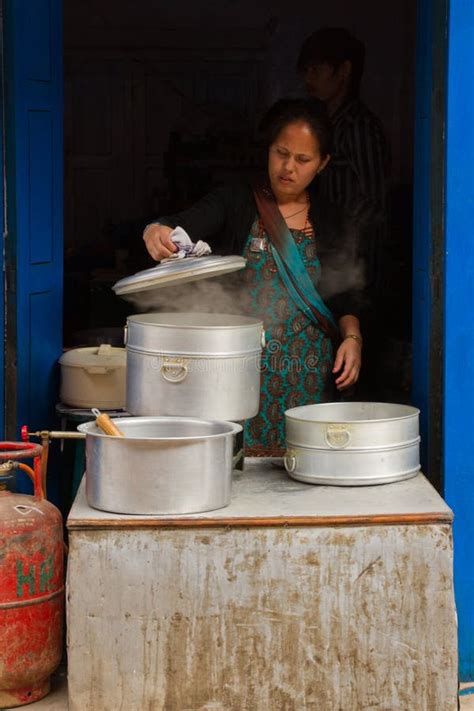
(357, 175)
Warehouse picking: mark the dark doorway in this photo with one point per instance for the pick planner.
(160, 102)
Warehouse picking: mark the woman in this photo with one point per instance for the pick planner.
(301, 293)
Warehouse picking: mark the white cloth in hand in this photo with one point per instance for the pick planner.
(186, 247)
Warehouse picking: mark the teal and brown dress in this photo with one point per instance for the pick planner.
(298, 358)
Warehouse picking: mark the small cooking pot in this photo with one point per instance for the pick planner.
(94, 377)
(162, 465)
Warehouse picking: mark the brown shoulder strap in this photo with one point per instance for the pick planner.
(279, 234)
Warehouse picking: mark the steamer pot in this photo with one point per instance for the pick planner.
(163, 465)
(94, 377)
(194, 364)
(352, 443)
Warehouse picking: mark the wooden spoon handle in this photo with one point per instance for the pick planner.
(106, 424)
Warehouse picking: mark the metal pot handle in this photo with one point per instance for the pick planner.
(289, 460)
(97, 370)
(337, 436)
(174, 371)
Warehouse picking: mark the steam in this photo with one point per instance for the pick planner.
(341, 275)
(344, 270)
(229, 295)
(205, 296)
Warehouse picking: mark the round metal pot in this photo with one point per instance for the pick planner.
(352, 443)
(94, 377)
(163, 465)
(193, 364)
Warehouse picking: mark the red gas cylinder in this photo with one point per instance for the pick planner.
(31, 583)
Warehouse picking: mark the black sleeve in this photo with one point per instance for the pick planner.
(223, 217)
(366, 149)
(348, 303)
(203, 220)
(343, 269)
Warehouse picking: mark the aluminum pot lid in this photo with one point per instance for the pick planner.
(105, 356)
(353, 413)
(177, 320)
(140, 288)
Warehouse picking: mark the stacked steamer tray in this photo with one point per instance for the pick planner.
(352, 443)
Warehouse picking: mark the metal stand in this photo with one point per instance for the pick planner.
(70, 418)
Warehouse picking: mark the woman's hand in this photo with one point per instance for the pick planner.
(348, 361)
(158, 243)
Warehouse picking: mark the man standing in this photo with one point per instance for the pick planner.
(332, 63)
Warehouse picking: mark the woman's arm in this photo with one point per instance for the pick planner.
(223, 218)
(349, 354)
(202, 221)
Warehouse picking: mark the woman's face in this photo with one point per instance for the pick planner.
(294, 159)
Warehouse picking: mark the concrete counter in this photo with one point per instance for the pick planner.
(263, 494)
(293, 597)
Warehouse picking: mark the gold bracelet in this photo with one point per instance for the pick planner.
(354, 336)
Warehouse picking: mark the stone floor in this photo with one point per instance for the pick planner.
(467, 702)
(57, 699)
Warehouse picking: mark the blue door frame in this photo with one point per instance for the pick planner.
(458, 328)
(443, 278)
(34, 198)
(428, 222)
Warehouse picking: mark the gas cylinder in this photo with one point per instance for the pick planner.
(31, 583)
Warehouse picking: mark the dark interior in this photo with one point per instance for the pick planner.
(161, 103)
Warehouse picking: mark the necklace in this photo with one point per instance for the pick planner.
(260, 243)
(287, 217)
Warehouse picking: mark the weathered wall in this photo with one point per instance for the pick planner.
(353, 619)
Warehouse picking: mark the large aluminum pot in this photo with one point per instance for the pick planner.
(194, 365)
(163, 465)
(352, 443)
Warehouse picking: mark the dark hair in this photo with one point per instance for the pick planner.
(311, 111)
(334, 45)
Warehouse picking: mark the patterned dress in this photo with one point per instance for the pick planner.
(298, 358)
